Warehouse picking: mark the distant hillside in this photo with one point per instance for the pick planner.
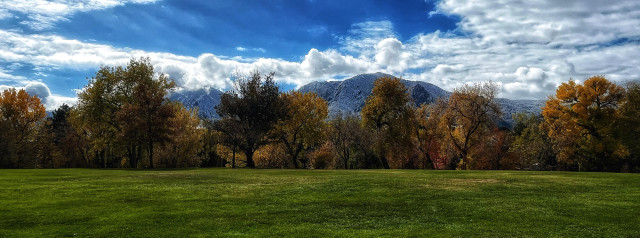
(203, 99)
(349, 95)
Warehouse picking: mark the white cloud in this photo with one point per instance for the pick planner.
(41, 90)
(529, 47)
(364, 36)
(206, 70)
(243, 49)
(388, 52)
(42, 14)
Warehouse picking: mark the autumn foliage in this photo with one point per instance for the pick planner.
(124, 119)
(21, 115)
(581, 120)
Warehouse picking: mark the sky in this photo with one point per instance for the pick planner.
(51, 48)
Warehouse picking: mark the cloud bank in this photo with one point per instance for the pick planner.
(529, 47)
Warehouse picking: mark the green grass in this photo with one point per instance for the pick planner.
(304, 203)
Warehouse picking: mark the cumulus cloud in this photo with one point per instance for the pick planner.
(42, 14)
(529, 47)
(206, 70)
(388, 52)
(38, 89)
(41, 90)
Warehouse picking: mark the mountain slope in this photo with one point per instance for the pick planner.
(349, 95)
(203, 99)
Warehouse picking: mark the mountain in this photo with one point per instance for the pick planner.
(203, 99)
(349, 95)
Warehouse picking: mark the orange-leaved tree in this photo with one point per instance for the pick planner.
(20, 116)
(581, 119)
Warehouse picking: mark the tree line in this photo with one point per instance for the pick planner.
(124, 119)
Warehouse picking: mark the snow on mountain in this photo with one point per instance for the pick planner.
(349, 95)
(203, 99)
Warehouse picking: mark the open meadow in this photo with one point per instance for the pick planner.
(309, 203)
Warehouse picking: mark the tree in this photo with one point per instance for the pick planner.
(98, 105)
(304, 126)
(125, 110)
(21, 115)
(185, 139)
(253, 108)
(426, 120)
(51, 136)
(531, 146)
(628, 127)
(231, 135)
(345, 135)
(580, 120)
(469, 117)
(147, 115)
(389, 112)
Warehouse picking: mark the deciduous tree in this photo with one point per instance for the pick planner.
(124, 110)
(629, 126)
(580, 120)
(304, 126)
(21, 115)
(389, 112)
(254, 107)
(531, 146)
(470, 115)
(427, 134)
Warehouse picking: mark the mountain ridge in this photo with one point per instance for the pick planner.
(349, 95)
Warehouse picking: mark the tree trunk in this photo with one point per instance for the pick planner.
(233, 160)
(429, 162)
(346, 160)
(385, 162)
(150, 154)
(294, 160)
(139, 155)
(250, 163)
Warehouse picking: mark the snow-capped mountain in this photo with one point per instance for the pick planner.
(349, 95)
(203, 99)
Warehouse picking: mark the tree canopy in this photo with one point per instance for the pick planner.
(581, 121)
(253, 108)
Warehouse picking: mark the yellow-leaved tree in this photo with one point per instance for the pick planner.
(581, 119)
(20, 116)
(389, 112)
(304, 127)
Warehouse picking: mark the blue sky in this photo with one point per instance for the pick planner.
(50, 47)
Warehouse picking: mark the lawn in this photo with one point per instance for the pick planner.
(310, 203)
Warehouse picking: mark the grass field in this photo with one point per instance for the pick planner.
(304, 203)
